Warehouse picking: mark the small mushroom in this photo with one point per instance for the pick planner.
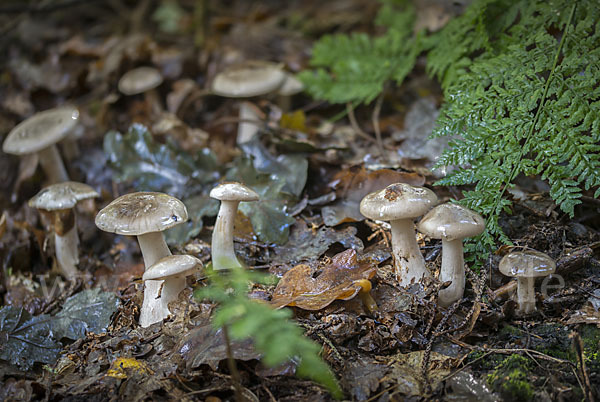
(39, 134)
(230, 195)
(245, 80)
(526, 266)
(451, 223)
(145, 215)
(399, 204)
(60, 199)
(142, 80)
(172, 270)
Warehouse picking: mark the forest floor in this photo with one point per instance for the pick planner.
(323, 163)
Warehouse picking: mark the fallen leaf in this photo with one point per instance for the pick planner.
(338, 280)
(87, 311)
(26, 340)
(307, 244)
(352, 185)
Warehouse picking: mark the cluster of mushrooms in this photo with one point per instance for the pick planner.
(401, 203)
(147, 214)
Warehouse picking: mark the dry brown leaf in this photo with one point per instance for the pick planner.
(340, 279)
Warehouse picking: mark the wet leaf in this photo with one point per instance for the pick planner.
(87, 311)
(151, 166)
(269, 217)
(351, 186)
(363, 377)
(204, 345)
(307, 244)
(289, 169)
(338, 280)
(26, 340)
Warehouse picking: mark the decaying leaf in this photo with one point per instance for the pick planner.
(351, 186)
(307, 244)
(87, 311)
(204, 345)
(26, 340)
(407, 376)
(338, 280)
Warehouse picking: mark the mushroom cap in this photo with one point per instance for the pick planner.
(63, 195)
(451, 222)
(397, 201)
(140, 80)
(41, 130)
(139, 213)
(172, 266)
(251, 78)
(527, 264)
(233, 191)
(291, 86)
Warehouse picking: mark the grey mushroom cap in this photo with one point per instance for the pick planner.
(172, 266)
(140, 80)
(233, 191)
(397, 201)
(139, 213)
(63, 195)
(451, 222)
(527, 264)
(41, 130)
(251, 78)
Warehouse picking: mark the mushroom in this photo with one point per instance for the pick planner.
(173, 270)
(245, 80)
(400, 203)
(451, 223)
(230, 195)
(526, 266)
(39, 134)
(145, 215)
(142, 80)
(60, 199)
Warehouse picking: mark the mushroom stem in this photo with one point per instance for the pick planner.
(526, 295)
(53, 165)
(171, 290)
(453, 269)
(223, 254)
(66, 252)
(247, 128)
(153, 247)
(409, 264)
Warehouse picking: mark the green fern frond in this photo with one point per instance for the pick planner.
(354, 68)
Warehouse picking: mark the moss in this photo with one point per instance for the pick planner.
(590, 335)
(510, 379)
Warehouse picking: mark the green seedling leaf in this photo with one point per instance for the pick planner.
(87, 311)
(151, 166)
(26, 339)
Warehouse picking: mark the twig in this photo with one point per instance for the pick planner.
(587, 387)
(376, 128)
(355, 125)
(235, 375)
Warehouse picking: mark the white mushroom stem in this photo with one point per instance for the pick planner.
(248, 125)
(170, 291)
(53, 165)
(222, 252)
(453, 269)
(66, 247)
(526, 295)
(408, 261)
(153, 247)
